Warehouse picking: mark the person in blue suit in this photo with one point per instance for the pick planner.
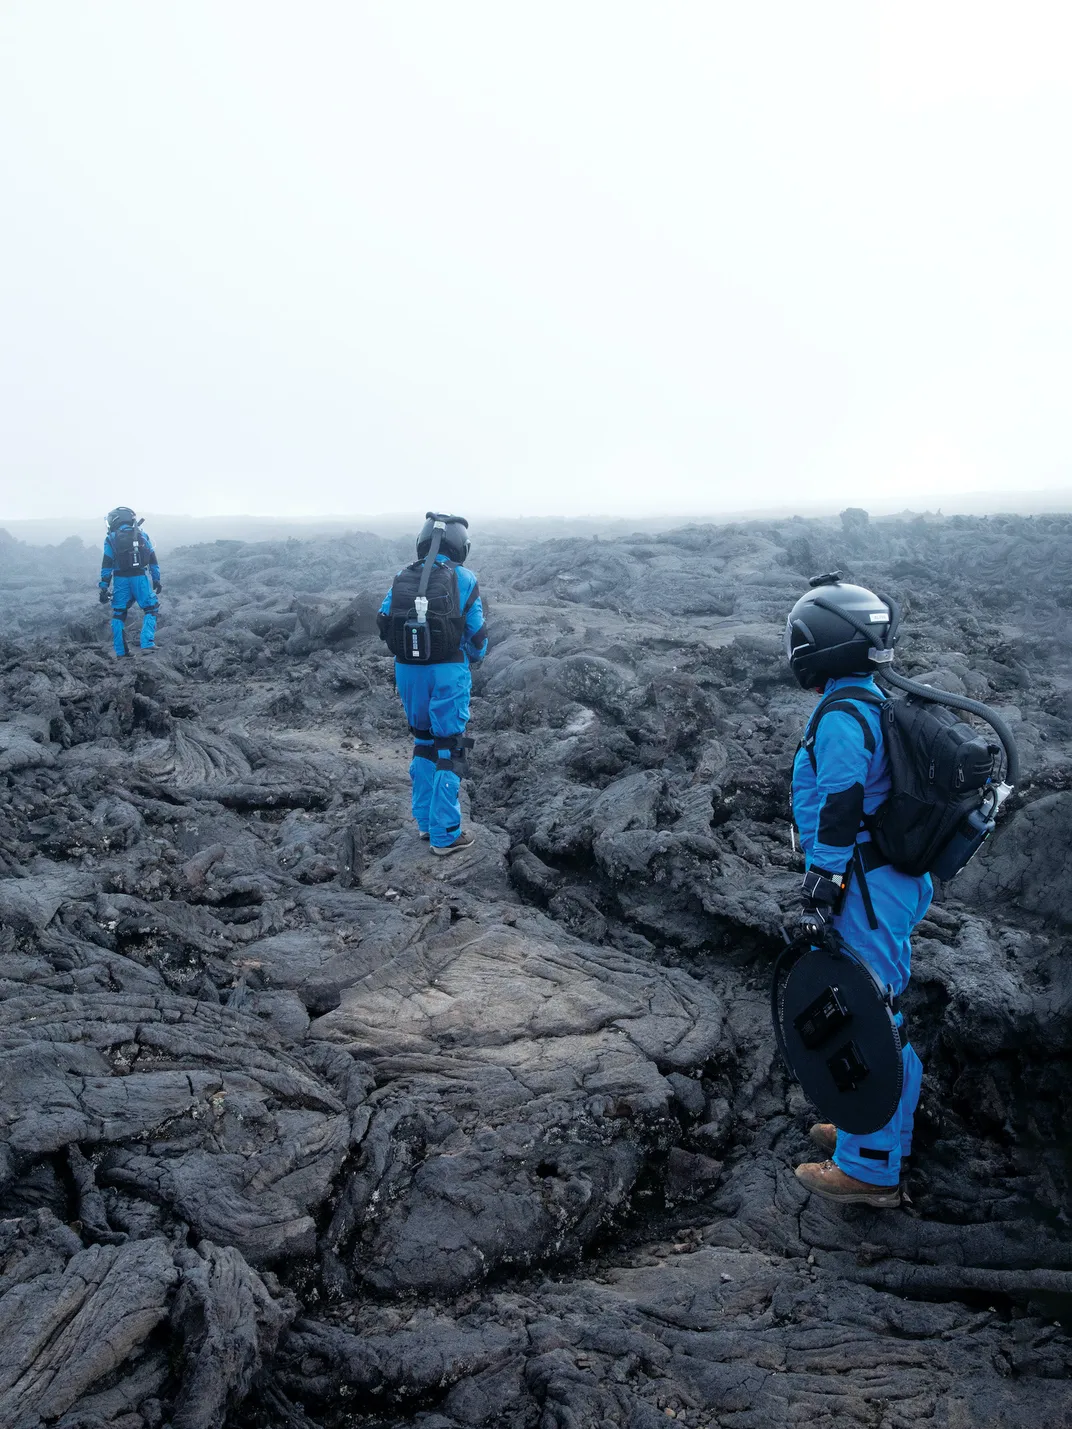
(432, 672)
(840, 776)
(130, 568)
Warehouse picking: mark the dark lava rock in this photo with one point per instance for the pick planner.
(300, 1126)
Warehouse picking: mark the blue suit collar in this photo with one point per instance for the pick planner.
(865, 682)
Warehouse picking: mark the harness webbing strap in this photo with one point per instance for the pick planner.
(453, 754)
(842, 700)
(865, 892)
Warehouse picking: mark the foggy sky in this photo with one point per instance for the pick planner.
(531, 258)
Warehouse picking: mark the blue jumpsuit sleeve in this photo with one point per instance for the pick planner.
(384, 612)
(842, 760)
(475, 641)
(154, 566)
(107, 562)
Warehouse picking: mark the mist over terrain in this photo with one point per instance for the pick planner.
(169, 531)
(302, 1127)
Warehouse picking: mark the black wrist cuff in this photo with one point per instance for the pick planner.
(820, 887)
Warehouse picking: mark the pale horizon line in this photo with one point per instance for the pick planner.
(998, 502)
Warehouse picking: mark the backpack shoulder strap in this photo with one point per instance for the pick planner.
(845, 700)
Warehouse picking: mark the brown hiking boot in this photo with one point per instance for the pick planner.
(463, 841)
(824, 1135)
(830, 1182)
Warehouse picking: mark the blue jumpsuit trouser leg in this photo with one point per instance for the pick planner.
(126, 590)
(436, 701)
(899, 903)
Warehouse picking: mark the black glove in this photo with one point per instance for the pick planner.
(157, 587)
(820, 895)
(104, 595)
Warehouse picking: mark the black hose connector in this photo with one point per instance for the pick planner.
(961, 702)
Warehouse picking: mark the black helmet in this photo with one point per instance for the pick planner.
(454, 541)
(121, 516)
(837, 629)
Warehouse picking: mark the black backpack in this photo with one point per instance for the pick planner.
(128, 549)
(438, 639)
(938, 811)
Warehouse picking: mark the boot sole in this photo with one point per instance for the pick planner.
(446, 852)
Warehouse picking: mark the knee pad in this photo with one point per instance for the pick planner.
(425, 734)
(424, 751)
(456, 760)
(120, 615)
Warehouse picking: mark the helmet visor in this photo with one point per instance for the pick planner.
(796, 635)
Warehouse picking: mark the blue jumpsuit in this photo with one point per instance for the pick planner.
(828, 804)
(436, 701)
(129, 586)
